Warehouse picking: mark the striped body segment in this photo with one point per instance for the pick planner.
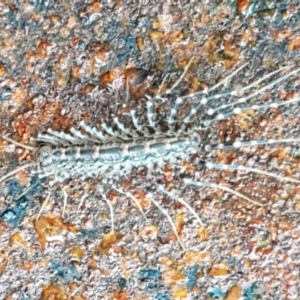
(89, 159)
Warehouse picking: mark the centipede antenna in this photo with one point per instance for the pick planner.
(239, 110)
(220, 187)
(65, 202)
(192, 211)
(259, 91)
(31, 148)
(210, 165)
(134, 199)
(111, 212)
(3, 178)
(163, 211)
(43, 206)
(169, 91)
(174, 110)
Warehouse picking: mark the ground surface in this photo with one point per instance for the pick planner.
(61, 63)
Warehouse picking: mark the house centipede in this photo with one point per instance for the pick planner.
(155, 139)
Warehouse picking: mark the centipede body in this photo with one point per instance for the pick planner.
(148, 137)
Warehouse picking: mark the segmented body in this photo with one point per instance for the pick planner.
(153, 137)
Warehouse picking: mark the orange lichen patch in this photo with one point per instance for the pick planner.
(77, 252)
(100, 49)
(107, 242)
(229, 55)
(179, 222)
(179, 294)
(138, 83)
(281, 35)
(234, 293)
(107, 78)
(3, 265)
(79, 297)
(140, 41)
(75, 73)
(19, 95)
(93, 7)
(156, 35)
(3, 227)
(2, 70)
(17, 239)
(193, 258)
(219, 269)
(189, 168)
(55, 19)
(294, 44)
(51, 226)
(203, 234)
(22, 177)
(43, 47)
(242, 6)
(186, 51)
(281, 153)
(168, 172)
(149, 230)
(129, 264)
(173, 277)
(62, 80)
(112, 196)
(45, 113)
(143, 200)
(54, 292)
(175, 37)
(27, 265)
(120, 296)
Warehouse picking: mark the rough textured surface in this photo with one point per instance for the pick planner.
(62, 63)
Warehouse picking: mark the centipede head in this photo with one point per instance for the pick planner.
(43, 155)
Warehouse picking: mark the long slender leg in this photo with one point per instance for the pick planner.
(82, 199)
(192, 211)
(247, 169)
(134, 199)
(238, 144)
(28, 189)
(169, 91)
(3, 178)
(111, 211)
(220, 187)
(168, 217)
(43, 205)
